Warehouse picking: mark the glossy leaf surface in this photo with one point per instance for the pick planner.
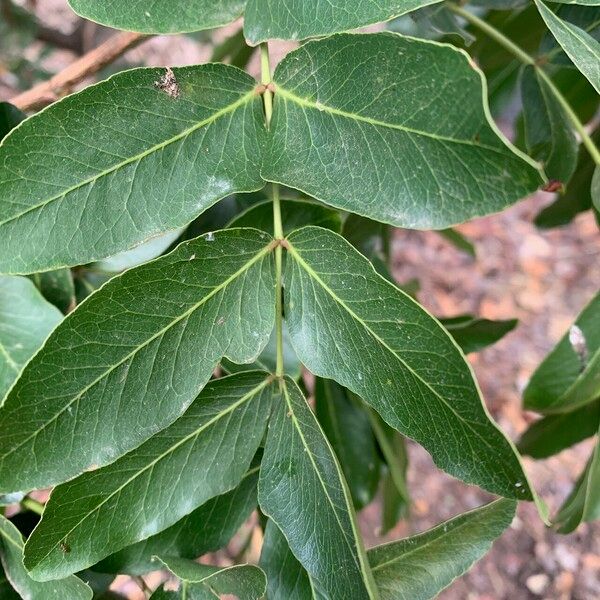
(579, 45)
(26, 319)
(160, 16)
(393, 159)
(420, 567)
(206, 529)
(134, 162)
(197, 458)
(130, 359)
(301, 488)
(349, 324)
(297, 20)
(570, 375)
(11, 553)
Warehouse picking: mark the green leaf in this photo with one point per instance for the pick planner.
(160, 16)
(302, 489)
(57, 287)
(206, 529)
(554, 433)
(294, 214)
(348, 429)
(474, 333)
(26, 319)
(393, 505)
(579, 45)
(286, 578)
(569, 377)
(10, 117)
(580, 2)
(246, 582)
(97, 381)
(549, 136)
(420, 567)
(349, 324)
(583, 504)
(197, 458)
(7, 592)
(394, 160)
(459, 241)
(576, 199)
(133, 163)
(289, 20)
(11, 553)
(595, 188)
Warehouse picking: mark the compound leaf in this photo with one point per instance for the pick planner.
(132, 357)
(198, 457)
(302, 489)
(349, 324)
(420, 567)
(160, 16)
(350, 129)
(124, 161)
(11, 553)
(291, 20)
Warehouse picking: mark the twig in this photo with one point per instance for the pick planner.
(47, 92)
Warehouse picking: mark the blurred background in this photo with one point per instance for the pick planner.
(542, 277)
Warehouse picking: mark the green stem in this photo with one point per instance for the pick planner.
(527, 59)
(32, 505)
(277, 223)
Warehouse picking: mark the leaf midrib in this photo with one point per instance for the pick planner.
(194, 434)
(266, 250)
(209, 120)
(307, 103)
(9, 360)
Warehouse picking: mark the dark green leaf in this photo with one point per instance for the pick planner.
(420, 567)
(198, 457)
(294, 214)
(133, 163)
(349, 324)
(10, 117)
(302, 489)
(57, 287)
(290, 20)
(569, 376)
(393, 505)
(347, 427)
(7, 592)
(130, 359)
(286, 578)
(206, 529)
(160, 16)
(246, 582)
(554, 433)
(26, 319)
(11, 553)
(458, 240)
(549, 136)
(583, 504)
(393, 159)
(579, 45)
(474, 333)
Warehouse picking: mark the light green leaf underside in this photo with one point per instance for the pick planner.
(580, 2)
(579, 45)
(286, 578)
(301, 488)
(349, 324)
(351, 128)
(300, 19)
(583, 504)
(566, 380)
(122, 161)
(11, 553)
(206, 529)
(160, 16)
(549, 135)
(420, 567)
(130, 359)
(246, 582)
(26, 319)
(203, 454)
